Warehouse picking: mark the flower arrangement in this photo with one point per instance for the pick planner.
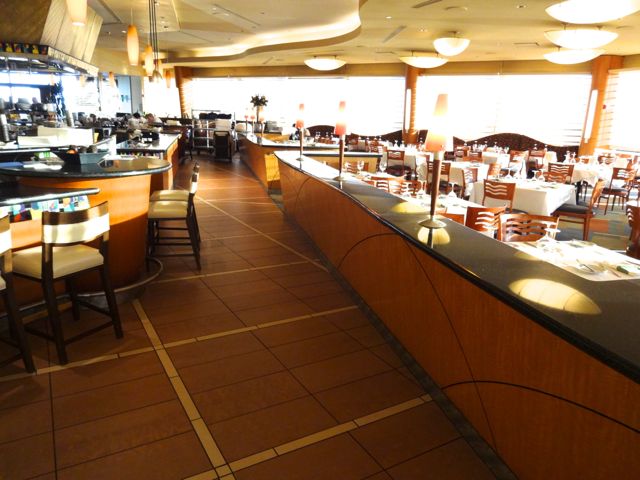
(259, 101)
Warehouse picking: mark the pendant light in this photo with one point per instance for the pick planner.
(592, 11)
(148, 60)
(580, 37)
(133, 45)
(168, 76)
(324, 63)
(78, 12)
(570, 57)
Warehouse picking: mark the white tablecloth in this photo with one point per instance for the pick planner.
(455, 174)
(590, 173)
(493, 157)
(533, 197)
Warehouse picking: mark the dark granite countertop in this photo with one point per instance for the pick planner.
(14, 193)
(104, 169)
(600, 318)
(315, 149)
(161, 145)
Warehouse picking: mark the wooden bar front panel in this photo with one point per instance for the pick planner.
(547, 408)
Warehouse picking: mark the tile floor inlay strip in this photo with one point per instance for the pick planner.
(286, 247)
(208, 475)
(230, 272)
(202, 431)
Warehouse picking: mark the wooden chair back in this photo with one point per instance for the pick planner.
(523, 154)
(484, 219)
(494, 170)
(350, 167)
(504, 191)
(559, 170)
(521, 227)
(633, 215)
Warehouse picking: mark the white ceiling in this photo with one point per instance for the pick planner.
(228, 33)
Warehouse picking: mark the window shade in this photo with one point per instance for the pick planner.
(374, 104)
(619, 127)
(548, 108)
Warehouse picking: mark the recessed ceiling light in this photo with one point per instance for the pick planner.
(124, 31)
(456, 8)
(423, 29)
(522, 5)
(388, 17)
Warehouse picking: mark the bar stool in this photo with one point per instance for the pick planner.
(17, 337)
(63, 256)
(178, 195)
(174, 210)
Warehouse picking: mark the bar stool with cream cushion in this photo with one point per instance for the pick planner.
(173, 194)
(64, 255)
(172, 210)
(178, 195)
(17, 337)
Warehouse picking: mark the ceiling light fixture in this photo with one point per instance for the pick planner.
(425, 60)
(570, 57)
(580, 37)
(324, 63)
(592, 11)
(78, 12)
(451, 46)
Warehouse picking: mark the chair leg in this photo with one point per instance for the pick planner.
(17, 328)
(585, 228)
(54, 319)
(73, 294)
(111, 301)
(193, 238)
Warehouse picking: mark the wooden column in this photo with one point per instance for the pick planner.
(599, 78)
(183, 82)
(409, 132)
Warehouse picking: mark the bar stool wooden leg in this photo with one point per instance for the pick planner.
(111, 301)
(73, 294)
(16, 326)
(54, 319)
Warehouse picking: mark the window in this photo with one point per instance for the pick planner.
(619, 129)
(374, 104)
(548, 108)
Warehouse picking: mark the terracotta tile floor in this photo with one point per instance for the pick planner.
(259, 366)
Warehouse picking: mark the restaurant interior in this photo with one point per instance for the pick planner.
(349, 239)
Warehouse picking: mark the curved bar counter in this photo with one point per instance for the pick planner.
(258, 154)
(125, 184)
(544, 364)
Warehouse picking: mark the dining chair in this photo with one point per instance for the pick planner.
(560, 172)
(469, 177)
(535, 160)
(484, 219)
(522, 227)
(171, 211)
(381, 182)
(398, 170)
(633, 216)
(16, 333)
(494, 170)
(350, 167)
(445, 174)
(621, 189)
(497, 190)
(63, 256)
(582, 212)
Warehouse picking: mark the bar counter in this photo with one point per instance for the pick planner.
(165, 147)
(543, 363)
(125, 184)
(258, 154)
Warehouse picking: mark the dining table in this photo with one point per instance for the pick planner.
(456, 171)
(531, 196)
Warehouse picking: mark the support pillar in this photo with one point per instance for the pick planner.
(409, 132)
(184, 78)
(600, 67)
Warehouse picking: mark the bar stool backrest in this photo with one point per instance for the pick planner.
(193, 188)
(5, 235)
(67, 228)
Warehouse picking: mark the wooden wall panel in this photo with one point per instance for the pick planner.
(505, 346)
(542, 437)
